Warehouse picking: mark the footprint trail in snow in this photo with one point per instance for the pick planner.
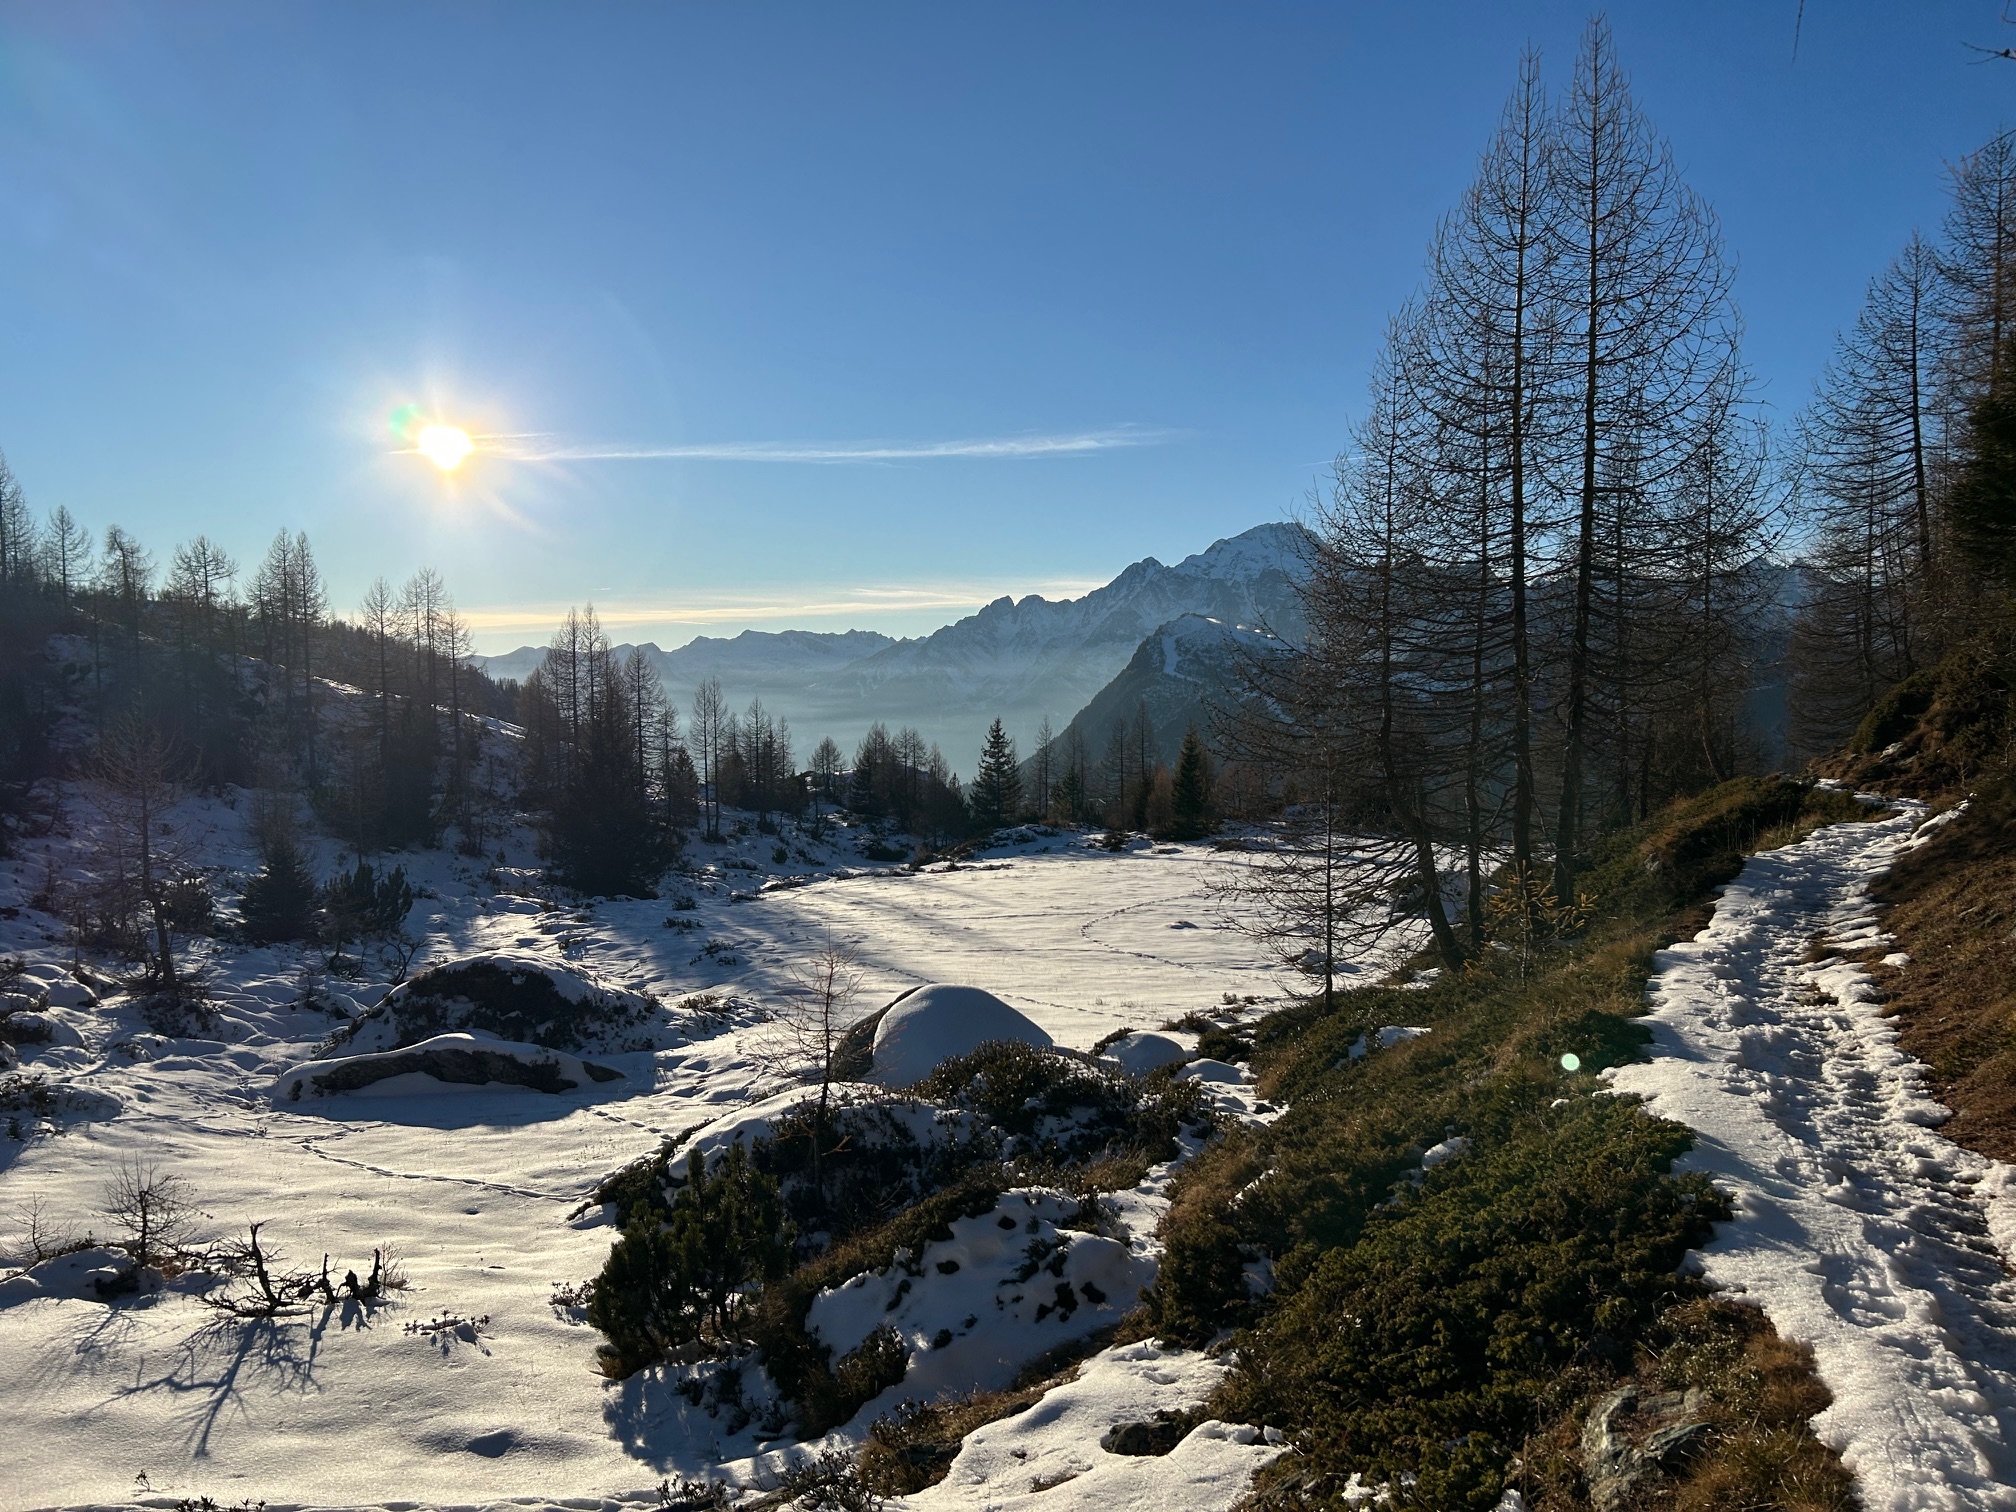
(1858, 1229)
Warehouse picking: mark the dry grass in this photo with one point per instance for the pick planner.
(1952, 907)
(1758, 1392)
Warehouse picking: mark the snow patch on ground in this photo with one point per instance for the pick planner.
(1050, 1455)
(473, 1191)
(1382, 1039)
(1008, 1285)
(1859, 1229)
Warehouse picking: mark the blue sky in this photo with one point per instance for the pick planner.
(1152, 244)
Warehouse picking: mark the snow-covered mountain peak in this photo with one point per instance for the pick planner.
(1282, 546)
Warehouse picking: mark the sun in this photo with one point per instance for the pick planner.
(444, 445)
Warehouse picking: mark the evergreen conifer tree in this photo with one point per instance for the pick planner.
(1190, 799)
(280, 901)
(997, 786)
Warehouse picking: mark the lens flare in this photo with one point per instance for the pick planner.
(1571, 1062)
(444, 445)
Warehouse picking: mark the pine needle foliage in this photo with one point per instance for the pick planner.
(666, 1283)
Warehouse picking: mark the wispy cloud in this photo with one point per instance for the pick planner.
(545, 448)
(862, 602)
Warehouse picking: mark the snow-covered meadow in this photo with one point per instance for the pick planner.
(473, 1385)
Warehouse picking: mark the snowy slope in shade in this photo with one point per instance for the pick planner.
(1185, 674)
(1859, 1229)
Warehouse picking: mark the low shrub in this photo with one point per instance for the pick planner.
(664, 1284)
(826, 1392)
(1944, 730)
(1434, 1324)
(1465, 1296)
(911, 1448)
(1057, 1110)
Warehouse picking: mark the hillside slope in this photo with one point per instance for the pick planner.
(1188, 672)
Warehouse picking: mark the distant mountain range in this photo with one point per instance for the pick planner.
(1016, 660)
(762, 663)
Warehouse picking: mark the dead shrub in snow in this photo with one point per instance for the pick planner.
(39, 1237)
(805, 1037)
(685, 1495)
(156, 1210)
(828, 1482)
(274, 1291)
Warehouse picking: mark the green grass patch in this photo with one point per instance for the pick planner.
(1434, 1322)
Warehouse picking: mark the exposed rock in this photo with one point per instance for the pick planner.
(1157, 1436)
(454, 1060)
(517, 997)
(1628, 1438)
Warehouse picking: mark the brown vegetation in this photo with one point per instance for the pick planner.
(1951, 905)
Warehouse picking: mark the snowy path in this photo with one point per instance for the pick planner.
(1859, 1230)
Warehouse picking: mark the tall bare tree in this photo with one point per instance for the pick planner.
(1493, 359)
(66, 554)
(806, 1030)
(1651, 342)
(139, 777)
(710, 717)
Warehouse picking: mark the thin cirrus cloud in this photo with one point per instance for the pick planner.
(535, 447)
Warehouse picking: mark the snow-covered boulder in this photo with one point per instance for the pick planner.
(53, 988)
(935, 1023)
(32, 1028)
(515, 996)
(1139, 1053)
(1212, 1071)
(443, 1063)
(82, 1275)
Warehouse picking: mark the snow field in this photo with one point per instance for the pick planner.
(473, 1191)
(1859, 1230)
